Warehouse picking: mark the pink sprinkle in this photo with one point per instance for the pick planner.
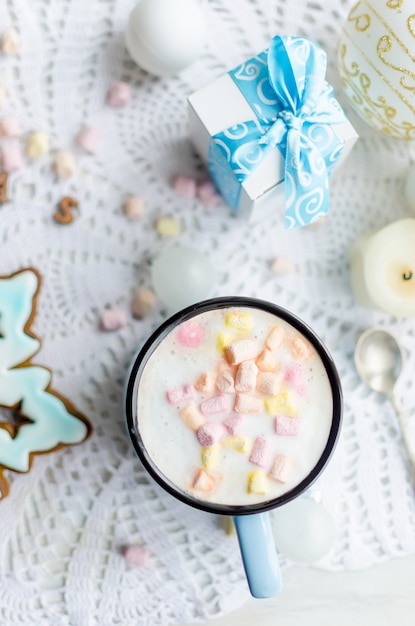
(210, 433)
(234, 424)
(286, 426)
(12, 158)
(113, 319)
(138, 555)
(184, 186)
(190, 334)
(88, 138)
(295, 376)
(10, 127)
(186, 393)
(207, 194)
(215, 404)
(261, 452)
(119, 94)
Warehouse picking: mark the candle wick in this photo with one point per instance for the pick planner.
(407, 275)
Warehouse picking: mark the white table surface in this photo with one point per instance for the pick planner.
(67, 518)
(383, 595)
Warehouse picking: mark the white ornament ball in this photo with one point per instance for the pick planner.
(375, 62)
(303, 530)
(409, 187)
(182, 276)
(165, 36)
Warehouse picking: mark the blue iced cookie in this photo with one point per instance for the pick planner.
(39, 420)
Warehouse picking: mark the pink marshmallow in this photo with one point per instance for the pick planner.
(234, 424)
(203, 481)
(138, 555)
(244, 403)
(225, 382)
(215, 404)
(210, 433)
(241, 350)
(268, 383)
(185, 187)
(281, 468)
(88, 138)
(190, 334)
(113, 319)
(295, 376)
(12, 157)
(286, 426)
(205, 383)
(119, 94)
(191, 416)
(179, 395)
(300, 349)
(261, 452)
(275, 337)
(246, 376)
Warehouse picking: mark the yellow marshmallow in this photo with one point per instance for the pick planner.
(280, 403)
(223, 340)
(210, 457)
(239, 321)
(257, 483)
(240, 444)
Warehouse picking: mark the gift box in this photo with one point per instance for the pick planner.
(271, 133)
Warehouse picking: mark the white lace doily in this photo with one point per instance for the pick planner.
(63, 523)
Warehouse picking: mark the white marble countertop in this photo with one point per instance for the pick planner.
(379, 596)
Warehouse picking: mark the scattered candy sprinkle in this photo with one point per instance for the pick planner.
(138, 555)
(133, 208)
(113, 319)
(88, 138)
(282, 265)
(143, 304)
(64, 163)
(37, 145)
(168, 227)
(10, 127)
(10, 41)
(119, 94)
(185, 187)
(11, 157)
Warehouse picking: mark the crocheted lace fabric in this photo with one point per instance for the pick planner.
(64, 522)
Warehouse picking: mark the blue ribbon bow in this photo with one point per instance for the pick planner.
(295, 110)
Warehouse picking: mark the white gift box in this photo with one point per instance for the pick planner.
(221, 105)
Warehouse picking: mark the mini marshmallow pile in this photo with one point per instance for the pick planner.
(249, 378)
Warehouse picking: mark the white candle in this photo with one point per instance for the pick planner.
(382, 269)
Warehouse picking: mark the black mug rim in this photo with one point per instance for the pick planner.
(156, 338)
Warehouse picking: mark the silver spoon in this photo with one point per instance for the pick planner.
(379, 361)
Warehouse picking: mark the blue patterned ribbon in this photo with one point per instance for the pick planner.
(295, 110)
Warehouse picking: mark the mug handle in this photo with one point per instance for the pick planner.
(259, 554)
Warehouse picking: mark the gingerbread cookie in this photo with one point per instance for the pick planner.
(39, 420)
